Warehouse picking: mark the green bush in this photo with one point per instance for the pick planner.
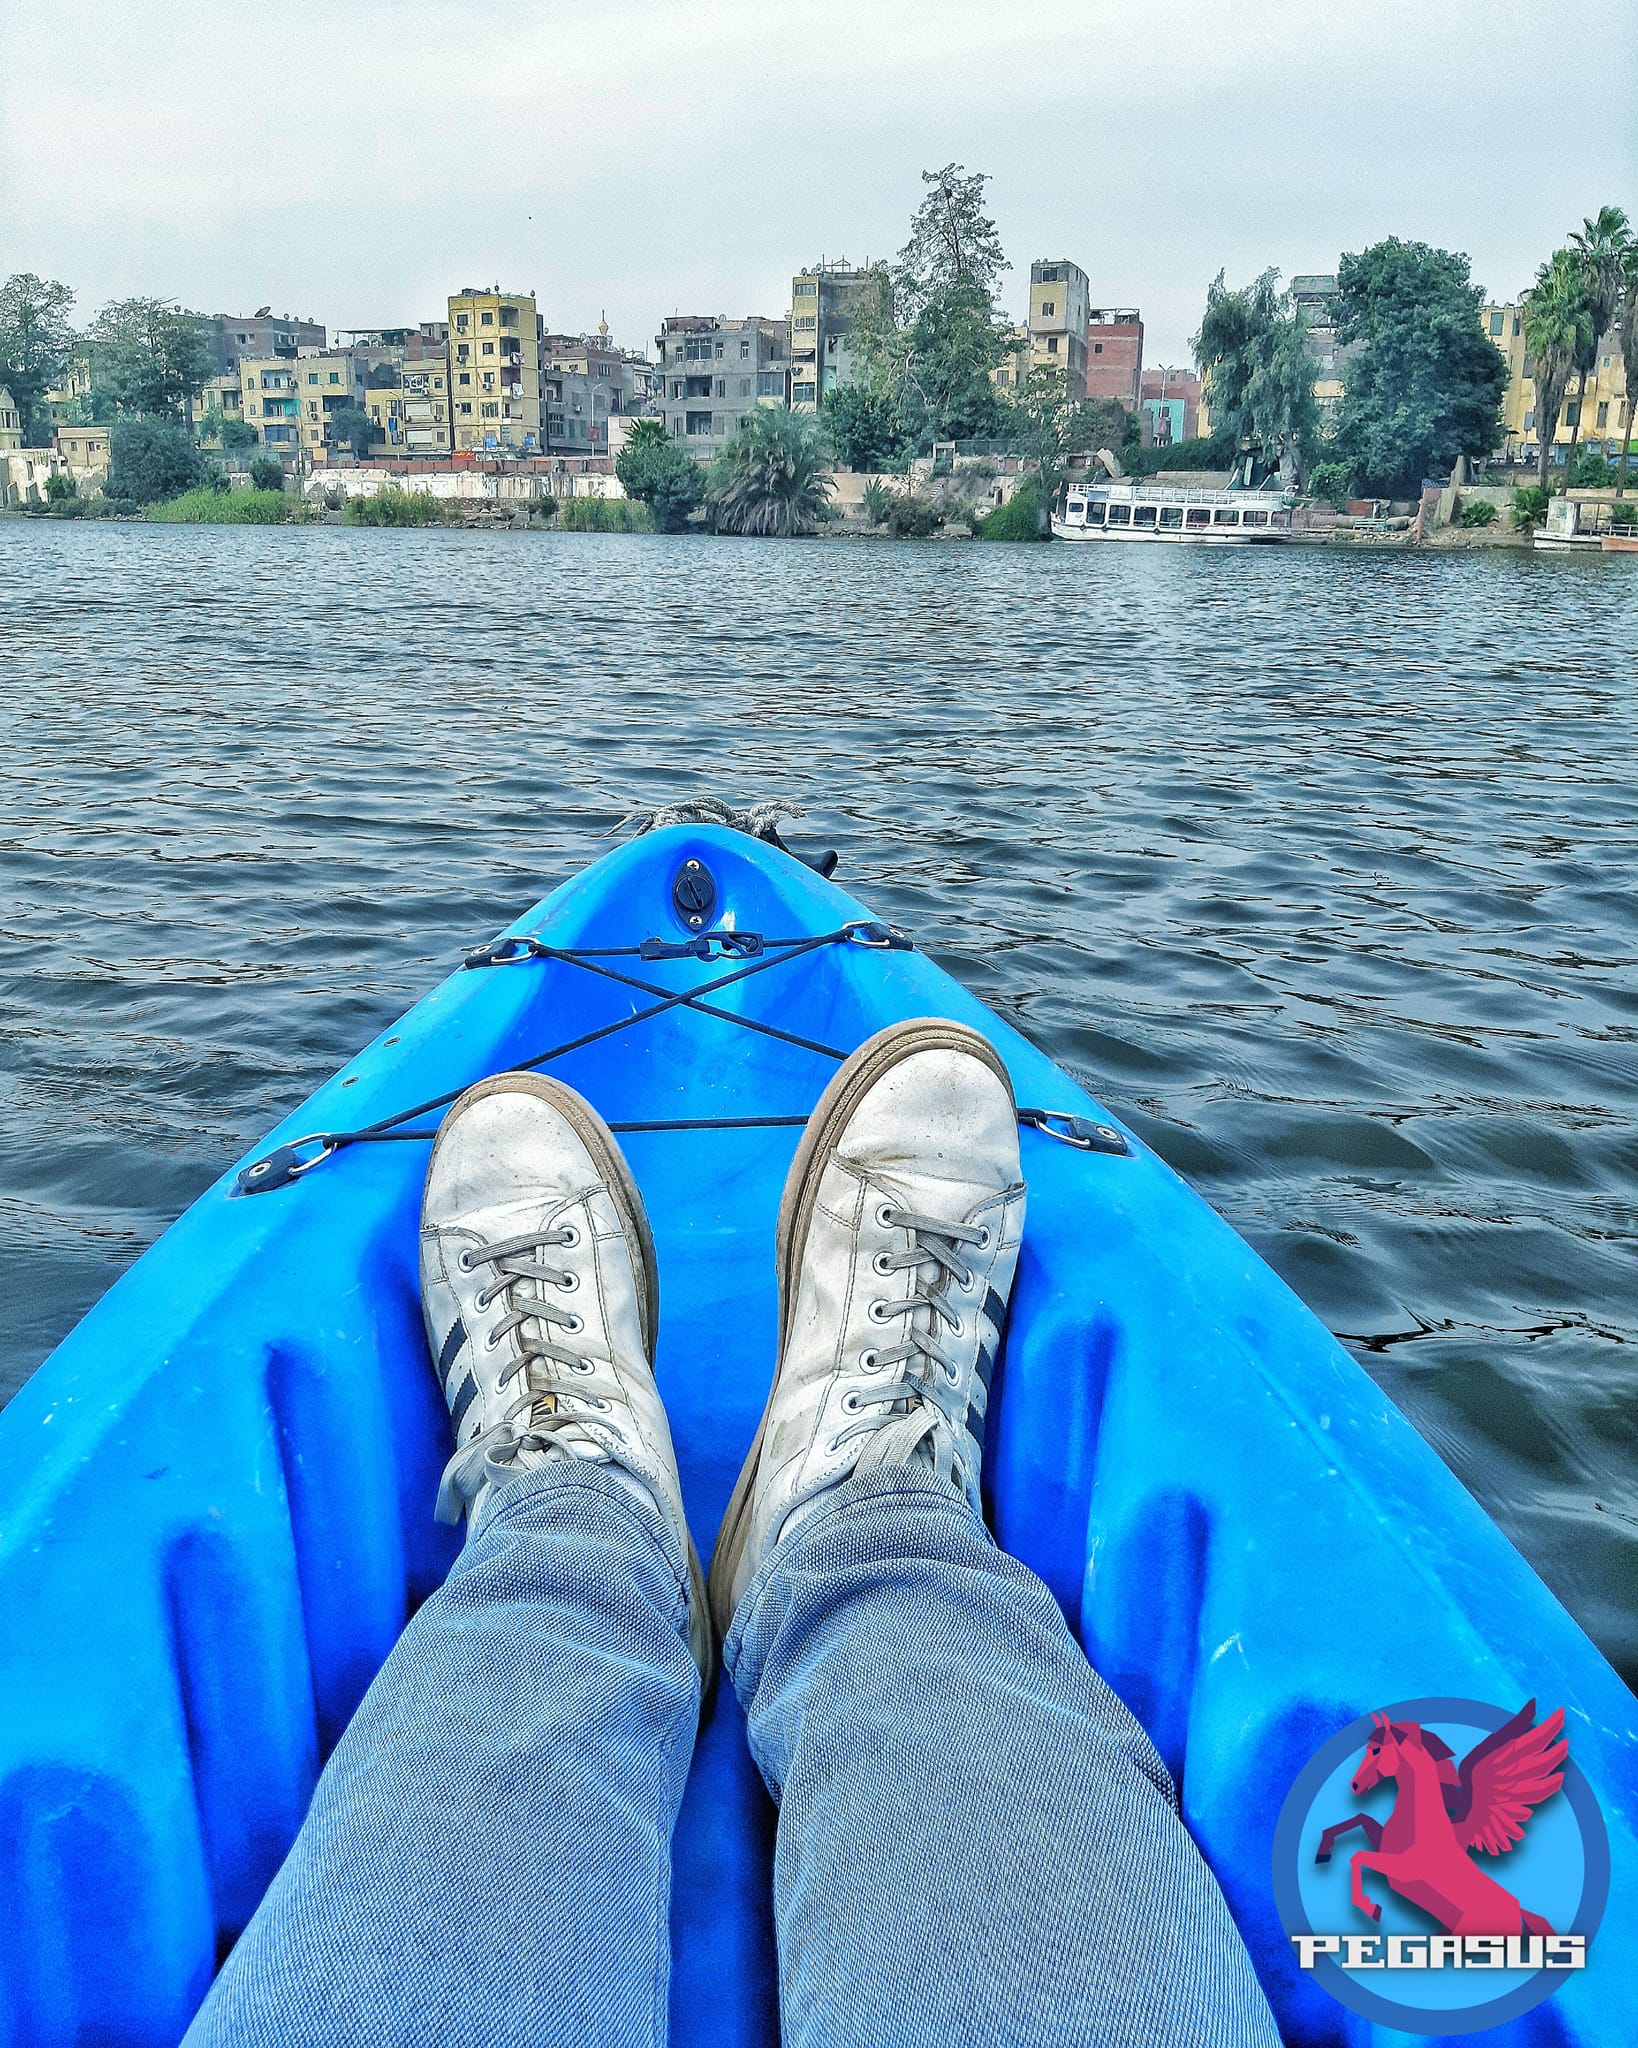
(151, 458)
(267, 473)
(394, 507)
(1477, 512)
(207, 507)
(1529, 505)
(1328, 482)
(1022, 517)
(604, 515)
(877, 501)
(914, 517)
(60, 490)
(1217, 452)
(1592, 473)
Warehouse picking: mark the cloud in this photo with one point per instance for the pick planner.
(646, 156)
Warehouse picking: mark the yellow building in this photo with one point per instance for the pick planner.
(494, 372)
(1598, 417)
(1013, 367)
(84, 451)
(223, 395)
(291, 400)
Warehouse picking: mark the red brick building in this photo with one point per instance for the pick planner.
(1114, 356)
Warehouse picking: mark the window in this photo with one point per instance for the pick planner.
(490, 411)
(1496, 323)
(1143, 515)
(1224, 516)
(1048, 308)
(464, 378)
(804, 288)
(697, 423)
(1572, 413)
(335, 376)
(460, 323)
(1171, 515)
(1097, 348)
(486, 319)
(312, 409)
(489, 348)
(1198, 516)
(465, 407)
(697, 350)
(1603, 416)
(509, 316)
(745, 348)
(1120, 515)
(717, 351)
(803, 394)
(312, 376)
(722, 387)
(1094, 513)
(806, 323)
(745, 390)
(1529, 419)
(770, 383)
(693, 387)
(1052, 344)
(1253, 518)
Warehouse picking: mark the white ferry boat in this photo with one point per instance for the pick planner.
(1157, 511)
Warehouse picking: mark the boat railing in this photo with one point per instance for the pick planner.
(1140, 494)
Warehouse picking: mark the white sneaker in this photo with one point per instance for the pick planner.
(542, 1299)
(898, 1239)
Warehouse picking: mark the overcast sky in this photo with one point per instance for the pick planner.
(356, 162)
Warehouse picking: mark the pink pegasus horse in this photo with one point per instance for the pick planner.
(1441, 1813)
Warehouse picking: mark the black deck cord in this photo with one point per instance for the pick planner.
(278, 1168)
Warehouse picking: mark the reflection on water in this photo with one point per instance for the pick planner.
(1317, 867)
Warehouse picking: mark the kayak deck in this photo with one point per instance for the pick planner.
(216, 1496)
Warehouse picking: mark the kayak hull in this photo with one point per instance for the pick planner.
(216, 1495)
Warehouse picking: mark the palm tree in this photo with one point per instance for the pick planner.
(1556, 322)
(769, 480)
(1628, 334)
(1601, 250)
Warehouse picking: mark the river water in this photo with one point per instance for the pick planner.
(1316, 866)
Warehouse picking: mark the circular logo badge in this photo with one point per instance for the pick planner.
(1441, 1865)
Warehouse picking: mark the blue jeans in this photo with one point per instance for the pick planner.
(976, 1841)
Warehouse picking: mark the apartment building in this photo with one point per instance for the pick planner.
(1114, 355)
(239, 337)
(1171, 406)
(714, 370)
(1060, 300)
(85, 455)
(495, 372)
(625, 379)
(1314, 294)
(824, 303)
(290, 401)
(1599, 417)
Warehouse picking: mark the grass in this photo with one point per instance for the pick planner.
(393, 507)
(603, 515)
(205, 507)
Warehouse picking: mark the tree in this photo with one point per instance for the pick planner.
(150, 356)
(928, 339)
(656, 472)
(1601, 249)
(953, 243)
(1627, 333)
(1048, 422)
(267, 473)
(862, 426)
(1252, 345)
(1427, 384)
(35, 340)
(1556, 322)
(150, 458)
(350, 426)
(769, 479)
(237, 435)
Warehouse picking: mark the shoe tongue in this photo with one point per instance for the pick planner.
(520, 1217)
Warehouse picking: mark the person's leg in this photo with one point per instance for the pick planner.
(977, 1842)
(487, 1859)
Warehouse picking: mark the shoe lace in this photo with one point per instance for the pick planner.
(537, 1419)
(922, 1411)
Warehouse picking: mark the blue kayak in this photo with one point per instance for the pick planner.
(203, 1562)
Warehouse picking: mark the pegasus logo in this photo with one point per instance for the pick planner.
(1442, 1813)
